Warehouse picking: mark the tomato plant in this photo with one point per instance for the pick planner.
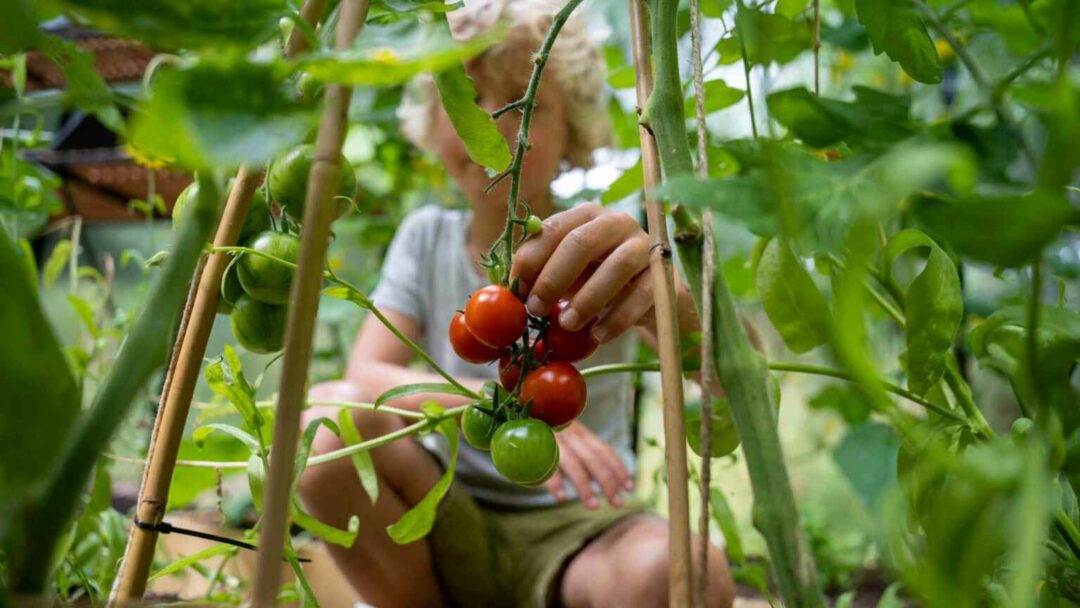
(466, 345)
(265, 279)
(479, 427)
(566, 345)
(288, 179)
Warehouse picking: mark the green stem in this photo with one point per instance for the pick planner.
(740, 7)
(1065, 526)
(527, 104)
(1033, 330)
(358, 297)
(144, 351)
(653, 366)
(739, 368)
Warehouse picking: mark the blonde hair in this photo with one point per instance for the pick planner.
(575, 64)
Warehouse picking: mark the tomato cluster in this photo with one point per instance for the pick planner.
(539, 391)
(255, 288)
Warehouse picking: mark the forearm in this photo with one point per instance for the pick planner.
(373, 378)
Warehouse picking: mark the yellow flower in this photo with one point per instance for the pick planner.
(385, 55)
(147, 159)
(945, 51)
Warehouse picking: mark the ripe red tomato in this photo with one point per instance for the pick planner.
(495, 316)
(466, 345)
(566, 345)
(557, 393)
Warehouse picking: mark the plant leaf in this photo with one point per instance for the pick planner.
(790, 299)
(225, 376)
(191, 560)
(365, 467)
(189, 24)
(483, 141)
(58, 258)
(423, 387)
(417, 522)
(383, 66)
(325, 531)
(248, 440)
(40, 396)
(721, 513)
(718, 95)
(867, 457)
(895, 28)
(302, 452)
(933, 306)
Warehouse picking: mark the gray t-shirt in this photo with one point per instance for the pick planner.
(427, 275)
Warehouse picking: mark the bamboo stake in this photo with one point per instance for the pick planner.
(667, 323)
(319, 213)
(183, 372)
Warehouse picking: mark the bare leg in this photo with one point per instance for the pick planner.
(628, 566)
(383, 572)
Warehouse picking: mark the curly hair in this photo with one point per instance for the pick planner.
(575, 64)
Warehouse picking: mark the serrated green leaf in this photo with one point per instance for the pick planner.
(225, 376)
(362, 462)
(793, 303)
(417, 522)
(442, 388)
(344, 538)
(896, 29)
(184, 25)
(483, 141)
(221, 112)
(933, 307)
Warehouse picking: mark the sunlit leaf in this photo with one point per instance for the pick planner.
(191, 560)
(246, 438)
(385, 66)
(56, 262)
(220, 113)
(422, 387)
(225, 376)
(718, 95)
(365, 467)
(483, 141)
(344, 538)
(628, 183)
(417, 522)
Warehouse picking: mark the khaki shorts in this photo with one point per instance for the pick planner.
(487, 556)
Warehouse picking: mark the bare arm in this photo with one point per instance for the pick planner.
(380, 362)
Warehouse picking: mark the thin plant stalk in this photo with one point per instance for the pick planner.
(319, 213)
(680, 591)
(701, 582)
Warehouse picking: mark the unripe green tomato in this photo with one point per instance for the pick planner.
(478, 427)
(265, 279)
(1021, 428)
(724, 436)
(231, 290)
(525, 451)
(258, 327)
(309, 88)
(533, 225)
(257, 220)
(288, 182)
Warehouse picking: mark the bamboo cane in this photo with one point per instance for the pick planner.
(680, 593)
(183, 372)
(319, 213)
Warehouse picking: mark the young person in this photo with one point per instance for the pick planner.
(580, 539)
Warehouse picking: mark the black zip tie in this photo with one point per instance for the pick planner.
(167, 528)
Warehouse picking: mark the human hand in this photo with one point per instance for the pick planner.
(564, 254)
(584, 458)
